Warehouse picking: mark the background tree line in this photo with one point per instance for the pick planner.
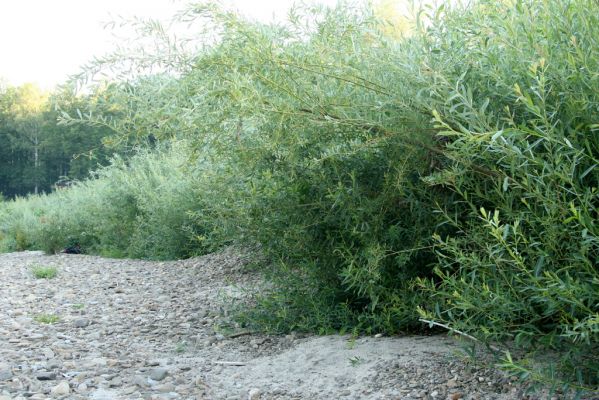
(36, 150)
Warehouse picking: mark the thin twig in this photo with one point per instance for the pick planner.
(452, 330)
(230, 363)
(239, 334)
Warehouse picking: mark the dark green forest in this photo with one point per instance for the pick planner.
(390, 174)
(37, 153)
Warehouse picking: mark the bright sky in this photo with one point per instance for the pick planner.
(44, 41)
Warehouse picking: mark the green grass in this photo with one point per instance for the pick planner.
(181, 347)
(78, 306)
(355, 361)
(43, 272)
(47, 318)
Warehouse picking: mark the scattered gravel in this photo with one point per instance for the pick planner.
(131, 329)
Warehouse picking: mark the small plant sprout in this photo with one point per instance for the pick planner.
(355, 360)
(181, 347)
(43, 272)
(46, 318)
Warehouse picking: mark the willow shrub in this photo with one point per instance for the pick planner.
(315, 155)
(325, 165)
(518, 99)
(132, 208)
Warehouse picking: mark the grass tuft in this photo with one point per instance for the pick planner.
(47, 318)
(43, 272)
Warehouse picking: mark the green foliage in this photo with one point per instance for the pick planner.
(36, 151)
(47, 318)
(181, 347)
(20, 240)
(305, 147)
(134, 208)
(522, 116)
(42, 272)
(322, 169)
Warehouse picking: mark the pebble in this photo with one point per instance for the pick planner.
(165, 388)
(81, 322)
(81, 388)
(53, 364)
(115, 382)
(254, 394)
(103, 394)
(45, 376)
(158, 374)
(451, 383)
(48, 352)
(5, 372)
(61, 389)
(210, 341)
(129, 390)
(140, 381)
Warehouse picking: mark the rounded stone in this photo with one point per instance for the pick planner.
(158, 374)
(61, 389)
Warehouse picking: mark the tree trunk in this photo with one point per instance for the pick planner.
(36, 162)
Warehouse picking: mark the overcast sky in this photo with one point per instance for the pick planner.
(44, 41)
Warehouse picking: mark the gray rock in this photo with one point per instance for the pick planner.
(115, 382)
(5, 372)
(82, 388)
(254, 394)
(81, 322)
(129, 390)
(210, 341)
(158, 374)
(53, 364)
(199, 381)
(61, 389)
(96, 362)
(165, 388)
(103, 394)
(95, 336)
(48, 352)
(140, 381)
(45, 376)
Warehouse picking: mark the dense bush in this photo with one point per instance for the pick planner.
(134, 208)
(522, 109)
(321, 176)
(314, 154)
